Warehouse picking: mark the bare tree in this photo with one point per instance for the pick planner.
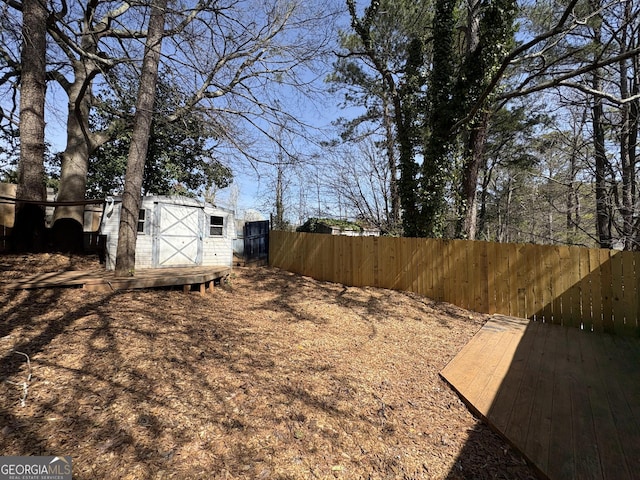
(81, 56)
(10, 67)
(590, 48)
(29, 225)
(629, 84)
(227, 54)
(358, 180)
(127, 233)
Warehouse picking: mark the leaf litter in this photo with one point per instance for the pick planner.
(273, 376)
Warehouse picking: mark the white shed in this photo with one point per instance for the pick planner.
(174, 231)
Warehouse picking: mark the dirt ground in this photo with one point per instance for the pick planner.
(274, 376)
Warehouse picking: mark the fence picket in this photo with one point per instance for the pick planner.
(630, 302)
(606, 290)
(470, 259)
(586, 295)
(478, 276)
(492, 305)
(511, 250)
(526, 279)
(576, 279)
(501, 279)
(458, 270)
(356, 257)
(448, 262)
(429, 273)
(545, 282)
(418, 259)
(596, 258)
(554, 281)
(617, 296)
(406, 277)
(573, 277)
(437, 268)
(386, 278)
(531, 262)
(457, 265)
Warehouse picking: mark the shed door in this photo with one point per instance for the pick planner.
(178, 237)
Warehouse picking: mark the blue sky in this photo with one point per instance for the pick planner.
(252, 181)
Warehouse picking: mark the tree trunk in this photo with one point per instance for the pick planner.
(488, 32)
(505, 225)
(628, 138)
(69, 220)
(436, 167)
(73, 173)
(393, 220)
(603, 206)
(28, 233)
(474, 137)
(279, 223)
(634, 125)
(407, 185)
(482, 214)
(131, 199)
(474, 151)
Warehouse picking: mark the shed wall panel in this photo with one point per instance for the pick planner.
(216, 250)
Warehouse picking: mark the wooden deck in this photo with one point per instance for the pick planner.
(202, 278)
(569, 400)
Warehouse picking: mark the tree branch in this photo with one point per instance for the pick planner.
(14, 4)
(559, 28)
(561, 80)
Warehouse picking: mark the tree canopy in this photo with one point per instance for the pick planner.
(182, 153)
(458, 114)
(479, 58)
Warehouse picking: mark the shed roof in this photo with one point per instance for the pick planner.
(173, 199)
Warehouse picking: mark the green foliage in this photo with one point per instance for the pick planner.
(437, 164)
(465, 145)
(180, 159)
(458, 104)
(9, 155)
(495, 40)
(509, 140)
(526, 181)
(383, 71)
(313, 225)
(409, 135)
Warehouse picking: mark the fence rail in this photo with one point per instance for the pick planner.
(593, 289)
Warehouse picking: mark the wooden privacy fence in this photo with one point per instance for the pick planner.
(593, 289)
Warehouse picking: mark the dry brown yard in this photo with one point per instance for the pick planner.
(274, 376)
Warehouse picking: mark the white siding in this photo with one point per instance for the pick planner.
(144, 244)
(216, 250)
(110, 225)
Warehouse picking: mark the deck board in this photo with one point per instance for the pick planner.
(103, 280)
(522, 408)
(539, 383)
(569, 400)
(610, 412)
(561, 436)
